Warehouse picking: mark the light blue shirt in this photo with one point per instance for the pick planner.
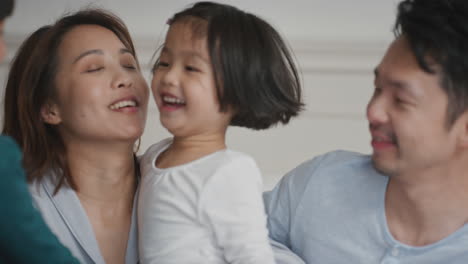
(66, 218)
(331, 210)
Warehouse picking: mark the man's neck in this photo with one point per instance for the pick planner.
(423, 208)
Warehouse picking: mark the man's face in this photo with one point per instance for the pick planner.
(407, 116)
(2, 41)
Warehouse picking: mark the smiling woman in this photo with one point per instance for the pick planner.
(76, 104)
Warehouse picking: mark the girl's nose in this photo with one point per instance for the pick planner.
(169, 76)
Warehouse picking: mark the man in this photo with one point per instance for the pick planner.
(408, 201)
(6, 7)
(24, 236)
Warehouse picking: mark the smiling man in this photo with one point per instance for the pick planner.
(6, 7)
(408, 201)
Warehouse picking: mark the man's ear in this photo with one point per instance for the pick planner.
(50, 114)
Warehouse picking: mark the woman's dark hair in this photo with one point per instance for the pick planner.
(437, 32)
(254, 71)
(6, 8)
(31, 85)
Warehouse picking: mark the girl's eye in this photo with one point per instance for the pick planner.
(162, 64)
(159, 64)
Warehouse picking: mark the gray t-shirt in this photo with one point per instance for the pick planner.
(331, 210)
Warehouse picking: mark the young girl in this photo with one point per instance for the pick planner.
(201, 202)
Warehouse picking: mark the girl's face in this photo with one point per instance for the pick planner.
(184, 86)
(100, 93)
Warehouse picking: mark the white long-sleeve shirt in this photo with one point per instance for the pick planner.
(206, 211)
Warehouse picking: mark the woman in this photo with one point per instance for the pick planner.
(76, 107)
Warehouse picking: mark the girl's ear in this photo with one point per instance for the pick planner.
(50, 114)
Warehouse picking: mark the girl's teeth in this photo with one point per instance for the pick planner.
(173, 100)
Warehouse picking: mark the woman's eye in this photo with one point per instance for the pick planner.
(130, 66)
(94, 69)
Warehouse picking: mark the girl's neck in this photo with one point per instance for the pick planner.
(187, 149)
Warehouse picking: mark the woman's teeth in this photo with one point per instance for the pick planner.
(122, 104)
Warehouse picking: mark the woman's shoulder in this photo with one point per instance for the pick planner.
(47, 197)
(40, 188)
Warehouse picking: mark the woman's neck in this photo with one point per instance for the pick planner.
(105, 178)
(103, 175)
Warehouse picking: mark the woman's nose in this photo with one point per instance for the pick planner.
(122, 79)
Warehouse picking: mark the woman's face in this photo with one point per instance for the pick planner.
(101, 95)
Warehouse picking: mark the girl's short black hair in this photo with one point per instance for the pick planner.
(437, 31)
(254, 71)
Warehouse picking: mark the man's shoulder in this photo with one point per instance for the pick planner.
(336, 167)
(335, 161)
(342, 157)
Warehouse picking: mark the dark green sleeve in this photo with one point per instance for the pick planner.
(24, 236)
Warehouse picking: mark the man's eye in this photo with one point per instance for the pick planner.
(399, 101)
(377, 90)
(191, 68)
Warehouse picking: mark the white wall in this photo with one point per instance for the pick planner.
(337, 44)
